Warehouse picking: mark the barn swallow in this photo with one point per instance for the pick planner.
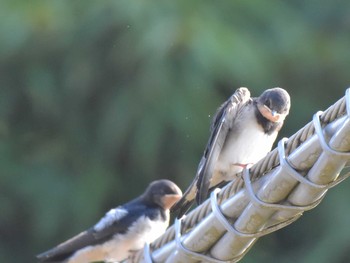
(242, 132)
(122, 230)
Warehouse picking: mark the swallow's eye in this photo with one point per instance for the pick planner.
(267, 103)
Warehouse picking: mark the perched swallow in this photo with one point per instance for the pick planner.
(122, 230)
(242, 132)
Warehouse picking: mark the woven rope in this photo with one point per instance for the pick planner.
(270, 161)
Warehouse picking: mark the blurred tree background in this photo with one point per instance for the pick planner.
(98, 98)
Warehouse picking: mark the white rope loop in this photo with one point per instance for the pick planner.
(286, 167)
(347, 100)
(147, 254)
(230, 228)
(189, 253)
(318, 129)
(257, 201)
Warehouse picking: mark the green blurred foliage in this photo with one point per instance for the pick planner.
(98, 98)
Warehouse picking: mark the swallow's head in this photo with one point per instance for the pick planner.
(163, 193)
(274, 104)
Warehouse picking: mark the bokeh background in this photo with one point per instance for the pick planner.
(98, 98)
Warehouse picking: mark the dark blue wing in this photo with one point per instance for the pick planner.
(92, 237)
(219, 130)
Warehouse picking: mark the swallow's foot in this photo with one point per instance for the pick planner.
(242, 165)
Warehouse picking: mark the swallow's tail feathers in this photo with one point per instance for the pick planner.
(66, 249)
(187, 200)
(182, 207)
(205, 172)
(47, 258)
(203, 185)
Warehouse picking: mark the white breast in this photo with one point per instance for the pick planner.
(246, 144)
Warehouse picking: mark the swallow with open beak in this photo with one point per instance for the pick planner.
(122, 230)
(242, 132)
